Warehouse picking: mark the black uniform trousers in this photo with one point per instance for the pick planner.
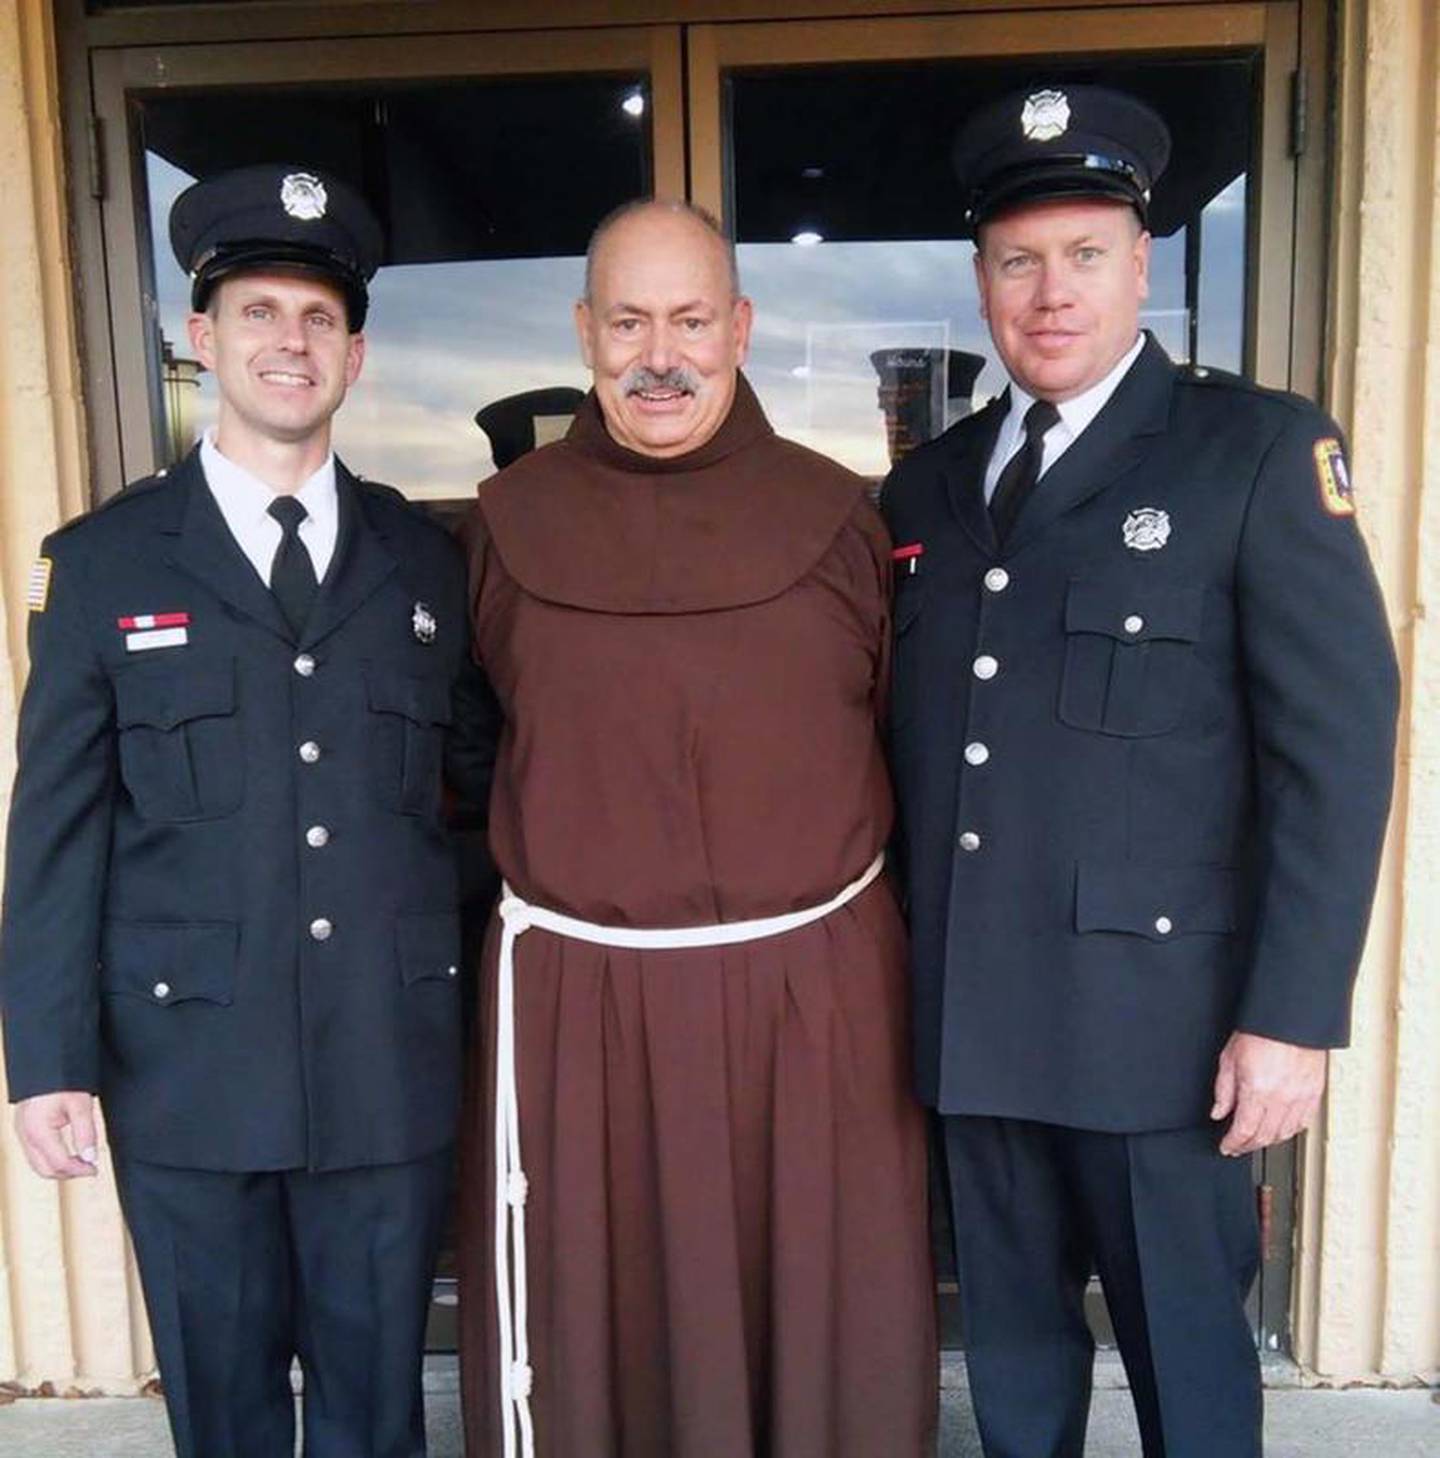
(1170, 1226)
(245, 1271)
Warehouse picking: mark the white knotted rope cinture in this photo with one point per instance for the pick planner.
(511, 1187)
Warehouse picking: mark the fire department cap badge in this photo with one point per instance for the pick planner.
(1045, 115)
(1146, 529)
(303, 196)
(422, 620)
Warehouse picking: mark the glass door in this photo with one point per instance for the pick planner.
(488, 159)
(825, 146)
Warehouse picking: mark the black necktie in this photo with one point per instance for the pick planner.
(1022, 470)
(292, 574)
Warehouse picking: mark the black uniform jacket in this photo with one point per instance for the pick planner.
(230, 903)
(1143, 752)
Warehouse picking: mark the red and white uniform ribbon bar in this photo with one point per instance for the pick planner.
(153, 620)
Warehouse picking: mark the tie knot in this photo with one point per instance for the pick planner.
(289, 513)
(1038, 419)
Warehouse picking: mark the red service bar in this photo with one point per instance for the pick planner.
(154, 620)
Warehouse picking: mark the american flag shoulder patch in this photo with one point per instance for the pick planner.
(37, 588)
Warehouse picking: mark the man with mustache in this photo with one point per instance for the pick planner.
(1143, 721)
(230, 905)
(694, 1215)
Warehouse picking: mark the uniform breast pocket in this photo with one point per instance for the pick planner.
(1129, 657)
(181, 750)
(409, 717)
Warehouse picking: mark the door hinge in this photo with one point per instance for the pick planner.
(1265, 1208)
(97, 160)
(1299, 113)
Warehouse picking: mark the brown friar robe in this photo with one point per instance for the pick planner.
(728, 1254)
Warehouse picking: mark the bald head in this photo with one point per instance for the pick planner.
(640, 207)
(662, 327)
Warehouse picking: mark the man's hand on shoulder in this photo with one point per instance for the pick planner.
(42, 1122)
(1268, 1090)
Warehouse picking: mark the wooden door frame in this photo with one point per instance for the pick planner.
(121, 373)
(710, 35)
(1269, 26)
(711, 30)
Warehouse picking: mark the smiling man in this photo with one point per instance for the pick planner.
(695, 1183)
(1143, 720)
(230, 906)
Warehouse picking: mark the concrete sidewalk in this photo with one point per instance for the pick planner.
(1300, 1423)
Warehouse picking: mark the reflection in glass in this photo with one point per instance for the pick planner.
(484, 256)
(857, 157)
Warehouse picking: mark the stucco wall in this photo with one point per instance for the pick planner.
(1368, 1285)
(1368, 1290)
(69, 1312)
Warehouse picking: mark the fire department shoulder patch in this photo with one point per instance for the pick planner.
(1332, 475)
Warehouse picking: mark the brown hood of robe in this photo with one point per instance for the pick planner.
(589, 524)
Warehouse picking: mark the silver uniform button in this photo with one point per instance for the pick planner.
(985, 666)
(1134, 623)
(969, 841)
(320, 929)
(451, 971)
(161, 990)
(317, 836)
(304, 665)
(309, 751)
(1164, 925)
(997, 579)
(976, 753)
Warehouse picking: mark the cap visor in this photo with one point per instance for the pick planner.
(1007, 195)
(283, 258)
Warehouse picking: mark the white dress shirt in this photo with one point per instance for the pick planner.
(1075, 415)
(244, 501)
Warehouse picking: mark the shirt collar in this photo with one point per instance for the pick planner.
(1077, 413)
(244, 497)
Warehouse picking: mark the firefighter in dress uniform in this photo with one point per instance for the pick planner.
(1143, 722)
(230, 902)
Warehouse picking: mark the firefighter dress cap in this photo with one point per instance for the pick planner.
(271, 215)
(1055, 142)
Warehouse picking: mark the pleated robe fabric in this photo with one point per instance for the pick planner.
(728, 1246)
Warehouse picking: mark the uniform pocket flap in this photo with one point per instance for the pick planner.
(423, 700)
(170, 962)
(429, 945)
(1158, 902)
(1134, 614)
(165, 699)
